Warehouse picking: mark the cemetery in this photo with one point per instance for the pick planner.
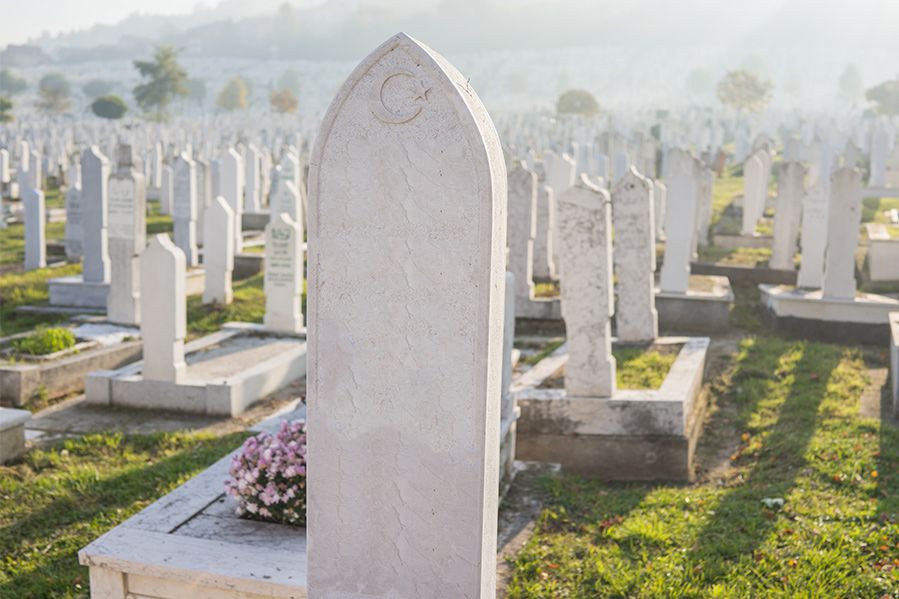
(400, 320)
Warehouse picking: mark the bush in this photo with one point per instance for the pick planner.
(577, 101)
(109, 107)
(268, 476)
(45, 341)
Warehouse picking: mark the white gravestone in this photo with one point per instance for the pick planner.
(286, 199)
(543, 243)
(522, 228)
(253, 181)
(560, 176)
(164, 307)
(843, 223)
(585, 251)
(94, 214)
(4, 167)
(407, 194)
(283, 275)
(814, 237)
(127, 239)
(659, 202)
(35, 228)
(880, 148)
(787, 214)
(218, 253)
(184, 207)
(231, 188)
(74, 234)
(204, 194)
(679, 222)
(166, 190)
(753, 171)
(634, 256)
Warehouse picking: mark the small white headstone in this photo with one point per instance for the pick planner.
(218, 253)
(184, 207)
(283, 275)
(94, 214)
(127, 239)
(679, 222)
(164, 319)
(787, 214)
(35, 227)
(845, 209)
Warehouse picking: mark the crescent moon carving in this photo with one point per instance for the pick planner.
(379, 107)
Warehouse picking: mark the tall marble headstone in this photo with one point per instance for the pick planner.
(35, 228)
(585, 251)
(231, 188)
(94, 215)
(679, 222)
(184, 207)
(407, 194)
(522, 228)
(74, 233)
(753, 202)
(814, 236)
(218, 252)
(787, 214)
(252, 180)
(283, 275)
(164, 311)
(843, 224)
(127, 239)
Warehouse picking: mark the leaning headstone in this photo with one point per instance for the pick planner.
(35, 228)
(283, 275)
(402, 500)
(164, 319)
(843, 224)
(127, 239)
(634, 255)
(585, 251)
(787, 214)
(184, 207)
(94, 215)
(814, 237)
(218, 252)
(679, 222)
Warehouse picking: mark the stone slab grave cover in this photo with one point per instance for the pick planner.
(418, 498)
(837, 311)
(883, 254)
(12, 433)
(222, 373)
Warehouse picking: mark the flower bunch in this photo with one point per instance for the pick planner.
(268, 476)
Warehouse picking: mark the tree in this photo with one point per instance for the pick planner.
(290, 81)
(743, 90)
(851, 83)
(54, 93)
(5, 110)
(284, 101)
(577, 101)
(109, 107)
(97, 87)
(166, 81)
(196, 90)
(10, 84)
(885, 96)
(233, 95)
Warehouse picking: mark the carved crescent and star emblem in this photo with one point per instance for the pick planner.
(399, 98)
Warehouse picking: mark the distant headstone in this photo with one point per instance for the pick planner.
(679, 222)
(634, 256)
(218, 253)
(166, 190)
(283, 275)
(127, 239)
(407, 194)
(74, 234)
(184, 207)
(94, 214)
(814, 237)
(522, 228)
(164, 311)
(753, 202)
(35, 228)
(252, 181)
(585, 251)
(231, 188)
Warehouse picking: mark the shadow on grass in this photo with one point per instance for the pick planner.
(43, 544)
(740, 523)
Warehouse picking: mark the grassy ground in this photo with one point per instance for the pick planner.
(28, 288)
(736, 257)
(793, 410)
(61, 498)
(248, 306)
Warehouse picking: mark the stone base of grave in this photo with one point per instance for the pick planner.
(634, 435)
(705, 308)
(540, 316)
(882, 260)
(12, 433)
(58, 375)
(226, 372)
(746, 275)
(807, 314)
(254, 221)
(507, 436)
(74, 292)
(733, 242)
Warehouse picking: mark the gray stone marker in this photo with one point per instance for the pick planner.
(164, 306)
(544, 265)
(814, 237)
(787, 215)
(252, 180)
(845, 213)
(94, 215)
(204, 194)
(634, 256)
(283, 275)
(407, 194)
(585, 251)
(127, 239)
(679, 222)
(218, 253)
(184, 207)
(35, 228)
(166, 189)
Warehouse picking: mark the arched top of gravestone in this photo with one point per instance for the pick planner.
(632, 179)
(93, 155)
(161, 252)
(584, 193)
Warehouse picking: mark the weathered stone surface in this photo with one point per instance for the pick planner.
(94, 207)
(127, 238)
(814, 237)
(164, 311)
(522, 228)
(787, 214)
(35, 228)
(679, 222)
(283, 275)
(634, 256)
(231, 188)
(407, 194)
(753, 201)
(585, 251)
(184, 208)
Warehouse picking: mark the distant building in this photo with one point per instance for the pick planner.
(23, 56)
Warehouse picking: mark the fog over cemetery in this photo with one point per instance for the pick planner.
(395, 299)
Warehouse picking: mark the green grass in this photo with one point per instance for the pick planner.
(793, 410)
(61, 498)
(637, 368)
(546, 289)
(735, 257)
(248, 306)
(873, 208)
(28, 288)
(45, 341)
